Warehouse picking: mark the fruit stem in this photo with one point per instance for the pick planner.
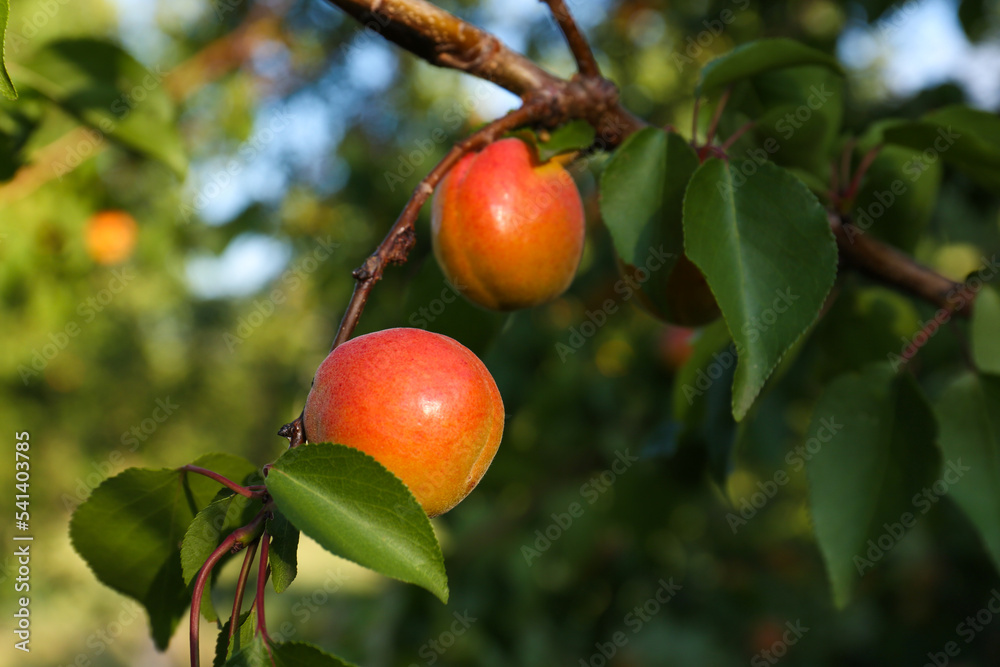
(263, 572)
(734, 137)
(235, 541)
(845, 160)
(694, 120)
(719, 108)
(211, 474)
(866, 162)
(241, 585)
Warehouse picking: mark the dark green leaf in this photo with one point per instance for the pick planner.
(6, 85)
(757, 57)
(103, 86)
(356, 509)
(130, 529)
(870, 448)
(897, 197)
(293, 654)
(283, 551)
(969, 414)
(710, 358)
(300, 654)
(986, 331)
(799, 112)
(764, 244)
(642, 199)
(967, 138)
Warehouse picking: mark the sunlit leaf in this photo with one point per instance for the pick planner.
(356, 509)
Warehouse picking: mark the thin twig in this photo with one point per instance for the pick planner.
(228, 483)
(578, 44)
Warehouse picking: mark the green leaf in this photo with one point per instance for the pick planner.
(129, 532)
(283, 552)
(300, 654)
(986, 331)
(292, 654)
(212, 524)
(252, 654)
(642, 199)
(966, 138)
(106, 88)
(870, 448)
(711, 356)
(206, 532)
(764, 244)
(572, 136)
(757, 57)
(244, 637)
(6, 85)
(970, 441)
(799, 112)
(896, 198)
(356, 509)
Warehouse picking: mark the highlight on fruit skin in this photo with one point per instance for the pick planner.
(422, 404)
(110, 236)
(507, 230)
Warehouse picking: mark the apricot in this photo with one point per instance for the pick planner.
(111, 236)
(675, 346)
(507, 230)
(423, 405)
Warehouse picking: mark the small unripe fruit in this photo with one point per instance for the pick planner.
(508, 231)
(421, 404)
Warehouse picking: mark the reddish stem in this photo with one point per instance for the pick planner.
(263, 572)
(694, 120)
(234, 542)
(866, 162)
(834, 185)
(734, 137)
(719, 108)
(845, 160)
(242, 490)
(241, 585)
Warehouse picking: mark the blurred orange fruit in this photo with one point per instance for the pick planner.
(675, 346)
(111, 236)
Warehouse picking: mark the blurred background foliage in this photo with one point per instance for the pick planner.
(154, 310)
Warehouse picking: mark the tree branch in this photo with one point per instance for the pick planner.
(893, 267)
(443, 39)
(578, 44)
